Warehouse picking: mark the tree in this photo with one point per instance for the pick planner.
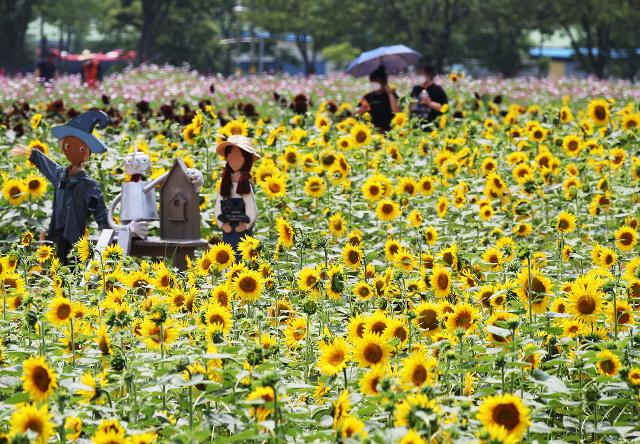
(15, 16)
(313, 24)
(598, 33)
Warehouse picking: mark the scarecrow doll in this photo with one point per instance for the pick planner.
(236, 210)
(77, 196)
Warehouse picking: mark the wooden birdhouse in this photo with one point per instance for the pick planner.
(179, 206)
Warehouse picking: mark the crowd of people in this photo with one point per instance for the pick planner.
(382, 102)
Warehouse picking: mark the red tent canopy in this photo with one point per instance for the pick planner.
(116, 55)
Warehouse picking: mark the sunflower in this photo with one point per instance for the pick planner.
(387, 210)
(275, 186)
(631, 122)
(498, 319)
(585, 300)
(38, 380)
(430, 235)
(463, 317)
(565, 114)
(377, 323)
(29, 418)
(571, 144)
(419, 370)
(371, 350)
(415, 219)
(352, 256)
(412, 411)
(506, 411)
(565, 222)
(220, 256)
(360, 134)
(623, 314)
(442, 206)
(440, 281)
(399, 120)
(280, 311)
(219, 318)
(626, 238)
(428, 317)
(113, 252)
(607, 363)
(399, 331)
(36, 186)
(333, 356)
(633, 377)
(337, 226)
(404, 259)
(536, 292)
(295, 332)
(352, 428)
(60, 310)
(44, 253)
(493, 257)
(407, 185)
(412, 437)
(248, 285)
(369, 381)
(285, 232)
(89, 388)
(362, 291)
(598, 111)
(309, 279)
(155, 334)
(73, 427)
(426, 185)
(15, 191)
(391, 248)
(315, 186)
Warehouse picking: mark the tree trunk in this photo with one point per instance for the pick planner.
(153, 14)
(15, 15)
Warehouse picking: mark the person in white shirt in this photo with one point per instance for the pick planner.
(236, 210)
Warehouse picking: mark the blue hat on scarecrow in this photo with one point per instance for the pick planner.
(81, 127)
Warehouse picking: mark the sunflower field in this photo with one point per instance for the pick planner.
(474, 280)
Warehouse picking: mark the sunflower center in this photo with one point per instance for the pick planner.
(537, 286)
(41, 379)
(387, 208)
(600, 112)
(14, 192)
(572, 145)
(337, 357)
(354, 257)
(34, 185)
(443, 281)
(507, 415)
(419, 375)
(34, 424)
(563, 224)
(373, 353)
(378, 327)
(64, 311)
(463, 320)
(216, 319)
(428, 320)
(607, 366)
(247, 285)
(222, 257)
(361, 136)
(586, 304)
(626, 239)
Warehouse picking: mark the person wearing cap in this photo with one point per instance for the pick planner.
(236, 210)
(77, 196)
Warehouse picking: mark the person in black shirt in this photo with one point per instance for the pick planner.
(429, 96)
(46, 68)
(381, 102)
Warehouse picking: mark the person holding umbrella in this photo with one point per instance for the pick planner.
(429, 96)
(381, 102)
